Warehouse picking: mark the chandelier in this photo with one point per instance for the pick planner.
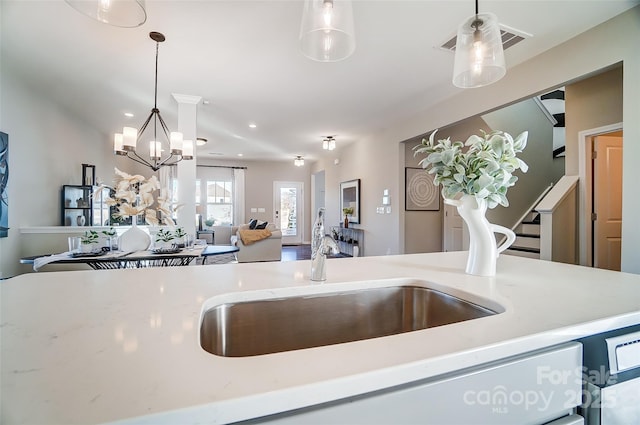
(125, 143)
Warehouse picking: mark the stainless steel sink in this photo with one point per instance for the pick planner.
(265, 326)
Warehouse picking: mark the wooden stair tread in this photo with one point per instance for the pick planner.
(525, 249)
(528, 235)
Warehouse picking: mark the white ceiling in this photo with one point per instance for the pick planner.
(242, 57)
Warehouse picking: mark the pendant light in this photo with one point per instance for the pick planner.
(119, 13)
(326, 32)
(479, 57)
(298, 161)
(126, 143)
(329, 143)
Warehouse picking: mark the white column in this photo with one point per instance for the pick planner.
(187, 125)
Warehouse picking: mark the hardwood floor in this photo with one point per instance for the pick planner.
(296, 252)
(289, 253)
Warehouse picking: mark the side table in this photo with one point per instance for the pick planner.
(207, 235)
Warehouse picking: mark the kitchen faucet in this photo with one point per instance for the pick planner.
(321, 246)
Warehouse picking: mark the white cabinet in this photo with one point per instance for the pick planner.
(534, 388)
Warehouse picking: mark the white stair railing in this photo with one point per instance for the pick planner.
(558, 215)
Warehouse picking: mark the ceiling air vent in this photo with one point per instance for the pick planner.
(510, 37)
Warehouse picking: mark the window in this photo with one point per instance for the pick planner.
(219, 201)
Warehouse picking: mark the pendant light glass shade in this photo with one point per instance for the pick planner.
(326, 32)
(119, 13)
(479, 57)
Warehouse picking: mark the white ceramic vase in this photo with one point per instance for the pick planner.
(483, 252)
(134, 239)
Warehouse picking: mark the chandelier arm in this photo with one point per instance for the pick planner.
(164, 126)
(146, 123)
(165, 163)
(138, 159)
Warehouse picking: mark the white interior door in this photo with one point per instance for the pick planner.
(455, 235)
(607, 202)
(288, 210)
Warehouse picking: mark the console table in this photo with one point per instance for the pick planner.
(350, 240)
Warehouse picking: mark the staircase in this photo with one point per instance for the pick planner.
(527, 242)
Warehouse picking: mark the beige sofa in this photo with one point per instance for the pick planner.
(269, 249)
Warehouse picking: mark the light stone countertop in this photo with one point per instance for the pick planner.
(118, 345)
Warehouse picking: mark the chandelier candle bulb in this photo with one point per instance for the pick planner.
(129, 138)
(176, 142)
(187, 149)
(118, 144)
(155, 149)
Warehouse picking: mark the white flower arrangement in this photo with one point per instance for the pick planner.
(484, 170)
(134, 195)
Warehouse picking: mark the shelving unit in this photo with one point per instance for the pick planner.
(348, 239)
(76, 207)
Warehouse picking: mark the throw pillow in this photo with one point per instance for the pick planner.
(253, 223)
(262, 225)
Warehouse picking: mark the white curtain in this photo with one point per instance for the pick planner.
(167, 175)
(238, 196)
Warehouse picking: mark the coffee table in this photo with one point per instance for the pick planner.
(211, 250)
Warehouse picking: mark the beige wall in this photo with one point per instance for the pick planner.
(47, 146)
(516, 118)
(591, 103)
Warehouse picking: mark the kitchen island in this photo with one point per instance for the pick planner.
(123, 345)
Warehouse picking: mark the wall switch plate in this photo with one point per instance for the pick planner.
(380, 210)
(261, 210)
(388, 210)
(254, 210)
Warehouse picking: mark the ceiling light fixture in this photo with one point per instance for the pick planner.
(252, 125)
(298, 161)
(119, 13)
(201, 141)
(326, 32)
(479, 57)
(125, 143)
(329, 143)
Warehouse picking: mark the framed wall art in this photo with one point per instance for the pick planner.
(350, 198)
(421, 193)
(4, 180)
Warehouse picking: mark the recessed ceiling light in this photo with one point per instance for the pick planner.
(128, 114)
(240, 154)
(252, 125)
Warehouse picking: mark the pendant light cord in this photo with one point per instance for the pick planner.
(476, 22)
(155, 95)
